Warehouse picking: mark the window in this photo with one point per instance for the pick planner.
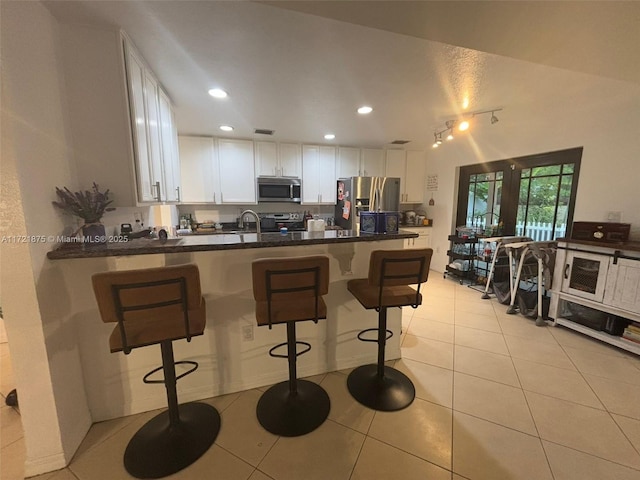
(532, 196)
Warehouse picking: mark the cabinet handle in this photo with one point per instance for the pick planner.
(566, 270)
(214, 197)
(178, 193)
(282, 171)
(157, 185)
(221, 197)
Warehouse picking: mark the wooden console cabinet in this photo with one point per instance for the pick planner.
(601, 277)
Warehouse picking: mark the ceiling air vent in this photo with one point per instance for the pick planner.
(263, 131)
(400, 142)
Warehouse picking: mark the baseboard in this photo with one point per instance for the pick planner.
(44, 464)
(201, 393)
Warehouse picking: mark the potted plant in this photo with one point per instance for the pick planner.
(90, 205)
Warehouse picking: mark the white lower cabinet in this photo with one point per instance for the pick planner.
(423, 240)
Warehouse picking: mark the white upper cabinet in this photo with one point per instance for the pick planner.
(171, 159)
(153, 129)
(348, 162)
(135, 71)
(267, 159)
(237, 171)
(200, 179)
(372, 162)
(283, 160)
(410, 167)
(416, 177)
(290, 160)
(356, 162)
(319, 175)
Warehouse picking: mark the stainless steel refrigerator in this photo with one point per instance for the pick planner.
(365, 194)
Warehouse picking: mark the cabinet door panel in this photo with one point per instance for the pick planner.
(153, 132)
(290, 158)
(348, 162)
(199, 178)
(135, 72)
(170, 160)
(327, 180)
(396, 165)
(310, 173)
(372, 162)
(623, 285)
(267, 159)
(415, 177)
(237, 171)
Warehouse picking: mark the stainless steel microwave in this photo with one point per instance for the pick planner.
(277, 189)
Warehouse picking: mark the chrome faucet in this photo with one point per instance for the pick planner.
(255, 215)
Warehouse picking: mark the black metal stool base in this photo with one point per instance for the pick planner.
(292, 415)
(394, 391)
(159, 449)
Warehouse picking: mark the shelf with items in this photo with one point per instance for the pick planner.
(462, 253)
(602, 322)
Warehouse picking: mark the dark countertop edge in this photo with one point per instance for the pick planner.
(63, 253)
(629, 246)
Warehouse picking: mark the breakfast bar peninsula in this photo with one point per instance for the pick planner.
(232, 354)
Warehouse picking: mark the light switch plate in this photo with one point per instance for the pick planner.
(615, 217)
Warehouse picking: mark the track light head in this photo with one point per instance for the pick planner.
(494, 119)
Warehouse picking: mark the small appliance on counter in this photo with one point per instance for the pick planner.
(409, 217)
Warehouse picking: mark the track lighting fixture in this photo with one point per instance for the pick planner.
(461, 124)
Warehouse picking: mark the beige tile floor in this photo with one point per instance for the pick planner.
(497, 398)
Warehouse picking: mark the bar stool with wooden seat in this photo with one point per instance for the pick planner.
(158, 306)
(391, 272)
(289, 290)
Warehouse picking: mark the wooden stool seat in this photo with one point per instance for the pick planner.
(289, 290)
(391, 272)
(158, 306)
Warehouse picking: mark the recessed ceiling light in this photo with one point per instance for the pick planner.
(217, 93)
(329, 136)
(226, 128)
(364, 110)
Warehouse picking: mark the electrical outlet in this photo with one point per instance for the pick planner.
(615, 217)
(247, 333)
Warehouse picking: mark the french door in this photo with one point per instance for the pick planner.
(532, 196)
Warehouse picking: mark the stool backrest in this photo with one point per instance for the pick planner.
(389, 268)
(393, 268)
(149, 295)
(291, 279)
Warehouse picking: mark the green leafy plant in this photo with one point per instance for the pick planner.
(90, 205)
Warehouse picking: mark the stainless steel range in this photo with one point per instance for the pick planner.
(272, 222)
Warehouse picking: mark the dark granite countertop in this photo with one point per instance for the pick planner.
(201, 243)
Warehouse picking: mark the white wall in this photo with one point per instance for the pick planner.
(36, 155)
(566, 110)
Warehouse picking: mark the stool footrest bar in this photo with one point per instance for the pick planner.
(374, 340)
(194, 365)
(280, 355)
